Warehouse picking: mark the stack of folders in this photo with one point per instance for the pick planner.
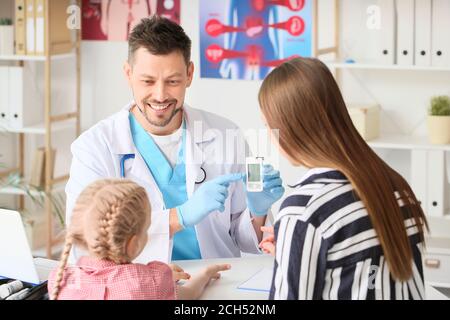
(20, 105)
(414, 32)
(31, 27)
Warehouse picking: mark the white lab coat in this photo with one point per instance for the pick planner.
(97, 154)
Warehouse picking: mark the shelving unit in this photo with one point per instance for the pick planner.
(40, 127)
(20, 192)
(427, 160)
(36, 58)
(427, 165)
(372, 66)
(405, 142)
(51, 125)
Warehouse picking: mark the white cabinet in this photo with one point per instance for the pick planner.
(436, 262)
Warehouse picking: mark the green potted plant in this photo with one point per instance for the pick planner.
(6, 37)
(33, 226)
(439, 120)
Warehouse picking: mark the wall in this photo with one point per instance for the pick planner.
(402, 94)
(105, 90)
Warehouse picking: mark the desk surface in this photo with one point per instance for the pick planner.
(241, 270)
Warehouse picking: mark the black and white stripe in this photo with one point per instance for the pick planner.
(327, 248)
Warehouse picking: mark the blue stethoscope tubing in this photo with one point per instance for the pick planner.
(125, 157)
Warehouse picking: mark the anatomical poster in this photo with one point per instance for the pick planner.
(113, 20)
(246, 39)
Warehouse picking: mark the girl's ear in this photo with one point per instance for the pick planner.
(132, 247)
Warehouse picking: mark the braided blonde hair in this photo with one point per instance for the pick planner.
(106, 215)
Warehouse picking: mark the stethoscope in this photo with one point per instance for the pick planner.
(125, 157)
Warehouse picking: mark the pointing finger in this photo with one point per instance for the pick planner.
(228, 178)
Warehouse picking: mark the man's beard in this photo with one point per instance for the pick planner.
(163, 122)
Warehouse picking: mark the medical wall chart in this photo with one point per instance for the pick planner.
(246, 39)
(113, 20)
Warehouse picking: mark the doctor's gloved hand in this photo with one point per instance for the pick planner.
(259, 203)
(209, 197)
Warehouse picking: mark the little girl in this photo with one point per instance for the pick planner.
(110, 221)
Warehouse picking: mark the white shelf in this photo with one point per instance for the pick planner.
(40, 128)
(15, 191)
(373, 66)
(35, 58)
(19, 192)
(405, 142)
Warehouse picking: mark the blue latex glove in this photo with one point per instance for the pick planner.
(209, 197)
(260, 202)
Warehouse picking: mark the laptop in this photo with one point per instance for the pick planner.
(16, 259)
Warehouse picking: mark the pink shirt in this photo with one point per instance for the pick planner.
(94, 279)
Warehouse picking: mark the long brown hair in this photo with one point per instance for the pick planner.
(107, 213)
(302, 100)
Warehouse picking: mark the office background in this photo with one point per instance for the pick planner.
(402, 93)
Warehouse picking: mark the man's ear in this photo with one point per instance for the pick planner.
(190, 72)
(128, 71)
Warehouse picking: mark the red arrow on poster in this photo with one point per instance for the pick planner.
(294, 5)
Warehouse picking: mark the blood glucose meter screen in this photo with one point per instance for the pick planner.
(254, 173)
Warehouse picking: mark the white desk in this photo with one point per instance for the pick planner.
(436, 291)
(241, 270)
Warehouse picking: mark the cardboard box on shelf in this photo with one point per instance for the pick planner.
(366, 119)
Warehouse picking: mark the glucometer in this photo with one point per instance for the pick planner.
(254, 171)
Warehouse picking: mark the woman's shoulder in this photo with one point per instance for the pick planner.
(314, 183)
(316, 178)
(320, 194)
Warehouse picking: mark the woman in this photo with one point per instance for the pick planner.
(352, 228)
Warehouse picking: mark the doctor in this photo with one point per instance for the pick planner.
(198, 199)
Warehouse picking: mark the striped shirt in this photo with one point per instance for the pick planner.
(327, 248)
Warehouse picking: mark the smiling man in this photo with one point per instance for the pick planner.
(198, 200)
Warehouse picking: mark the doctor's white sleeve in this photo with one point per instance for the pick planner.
(87, 166)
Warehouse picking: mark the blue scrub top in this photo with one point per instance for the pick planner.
(172, 184)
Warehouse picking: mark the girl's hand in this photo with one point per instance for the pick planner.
(212, 271)
(194, 288)
(178, 273)
(268, 244)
